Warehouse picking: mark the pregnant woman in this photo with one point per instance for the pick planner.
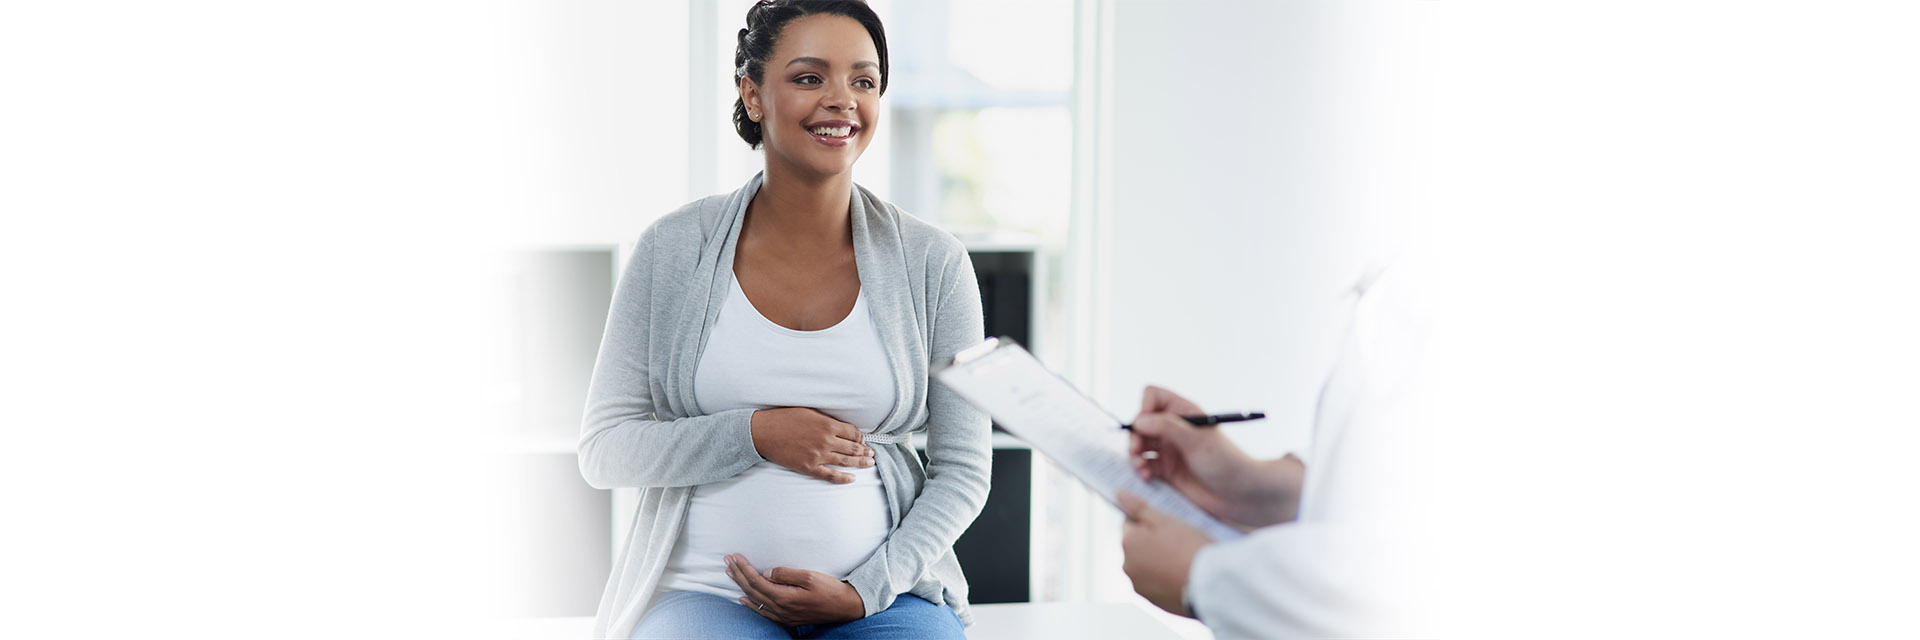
(766, 356)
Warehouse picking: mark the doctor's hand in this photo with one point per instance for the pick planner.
(1159, 553)
(795, 596)
(1208, 468)
(808, 441)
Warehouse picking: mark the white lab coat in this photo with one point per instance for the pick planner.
(1343, 568)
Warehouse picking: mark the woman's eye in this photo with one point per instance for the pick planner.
(807, 80)
(864, 83)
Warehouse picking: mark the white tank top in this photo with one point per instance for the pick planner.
(775, 516)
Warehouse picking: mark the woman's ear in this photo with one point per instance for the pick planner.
(750, 96)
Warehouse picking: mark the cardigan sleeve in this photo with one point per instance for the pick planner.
(959, 454)
(622, 441)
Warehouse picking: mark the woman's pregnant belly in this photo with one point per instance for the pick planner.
(776, 517)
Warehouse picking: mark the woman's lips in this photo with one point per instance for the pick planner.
(833, 134)
(830, 141)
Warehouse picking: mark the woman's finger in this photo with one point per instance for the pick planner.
(797, 578)
(740, 571)
(775, 594)
(847, 447)
(848, 432)
(751, 583)
(762, 610)
(826, 473)
(861, 462)
(853, 445)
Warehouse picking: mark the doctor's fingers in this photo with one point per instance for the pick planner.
(1162, 428)
(1140, 515)
(1144, 453)
(1157, 400)
(1136, 445)
(1149, 469)
(1130, 504)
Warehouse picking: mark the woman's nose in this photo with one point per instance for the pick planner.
(842, 100)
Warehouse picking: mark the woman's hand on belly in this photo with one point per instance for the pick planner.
(807, 441)
(795, 596)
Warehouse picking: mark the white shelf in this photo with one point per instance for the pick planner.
(990, 240)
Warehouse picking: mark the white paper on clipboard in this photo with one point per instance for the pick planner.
(1041, 408)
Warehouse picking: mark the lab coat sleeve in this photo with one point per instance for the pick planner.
(1288, 581)
(1351, 565)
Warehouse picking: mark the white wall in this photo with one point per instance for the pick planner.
(246, 351)
(1227, 154)
(1675, 345)
(248, 332)
(597, 107)
(1236, 212)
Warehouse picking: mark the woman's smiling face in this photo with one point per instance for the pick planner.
(821, 100)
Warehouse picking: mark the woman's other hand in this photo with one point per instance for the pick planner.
(807, 441)
(1208, 468)
(795, 596)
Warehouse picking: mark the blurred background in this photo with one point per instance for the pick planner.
(301, 298)
(1083, 149)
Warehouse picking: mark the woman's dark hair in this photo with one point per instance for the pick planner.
(764, 22)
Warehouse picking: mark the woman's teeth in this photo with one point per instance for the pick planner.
(833, 132)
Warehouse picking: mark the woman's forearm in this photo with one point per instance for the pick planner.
(653, 453)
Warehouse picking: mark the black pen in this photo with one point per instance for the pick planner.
(1208, 421)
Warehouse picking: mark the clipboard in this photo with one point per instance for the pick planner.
(1036, 405)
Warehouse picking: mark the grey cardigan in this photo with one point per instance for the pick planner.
(643, 428)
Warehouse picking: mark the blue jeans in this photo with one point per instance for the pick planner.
(687, 614)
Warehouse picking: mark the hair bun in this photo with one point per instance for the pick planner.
(753, 14)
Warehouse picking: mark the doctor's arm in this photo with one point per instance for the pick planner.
(1210, 469)
(1295, 580)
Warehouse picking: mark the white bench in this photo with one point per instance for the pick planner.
(1044, 620)
(1104, 620)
